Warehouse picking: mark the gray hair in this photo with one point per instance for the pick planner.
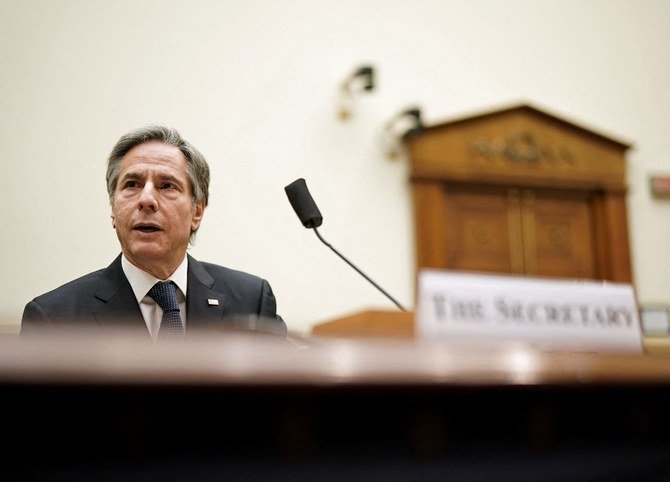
(196, 164)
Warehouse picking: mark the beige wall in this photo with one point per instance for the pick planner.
(252, 83)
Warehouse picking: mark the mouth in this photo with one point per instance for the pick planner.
(146, 228)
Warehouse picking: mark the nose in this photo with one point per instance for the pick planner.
(147, 198)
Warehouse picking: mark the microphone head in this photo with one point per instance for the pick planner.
(303, 204)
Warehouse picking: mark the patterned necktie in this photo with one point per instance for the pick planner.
(165, 296)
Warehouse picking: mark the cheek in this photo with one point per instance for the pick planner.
(119, 214)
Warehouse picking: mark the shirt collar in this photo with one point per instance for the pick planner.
(141, 281)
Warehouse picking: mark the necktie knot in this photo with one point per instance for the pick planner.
(165, 296)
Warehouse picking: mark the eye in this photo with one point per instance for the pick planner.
(131, 184)
(167, 185)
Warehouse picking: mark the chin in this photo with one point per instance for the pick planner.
(148, 252)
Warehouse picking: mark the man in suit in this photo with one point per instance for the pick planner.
(158, 186)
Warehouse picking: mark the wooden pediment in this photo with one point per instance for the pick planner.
(518, 145)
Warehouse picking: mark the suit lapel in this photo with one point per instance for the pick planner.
(202, 310)
(120, 311)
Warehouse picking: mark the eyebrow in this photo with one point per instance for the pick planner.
(139, 175)
(130, 175)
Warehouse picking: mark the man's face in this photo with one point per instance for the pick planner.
(153, 211)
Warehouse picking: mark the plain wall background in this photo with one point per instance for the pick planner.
(253, 84)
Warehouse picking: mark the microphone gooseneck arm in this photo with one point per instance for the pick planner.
(311, 218)
(318, 235)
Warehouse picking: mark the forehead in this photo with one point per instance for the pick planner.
(154, 156)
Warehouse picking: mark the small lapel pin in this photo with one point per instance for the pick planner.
(212, 302)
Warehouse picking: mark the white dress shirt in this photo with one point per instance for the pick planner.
(141, 282)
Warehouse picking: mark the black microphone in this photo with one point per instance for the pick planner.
(310, 217)
(303, 204)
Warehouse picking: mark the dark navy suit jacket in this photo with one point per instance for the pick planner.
(105, 300)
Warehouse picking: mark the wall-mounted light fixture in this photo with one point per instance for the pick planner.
(360, 80)
(405, 122)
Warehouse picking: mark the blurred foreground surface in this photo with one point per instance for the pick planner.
(243, 406)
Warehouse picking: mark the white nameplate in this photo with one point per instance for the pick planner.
(547, 314)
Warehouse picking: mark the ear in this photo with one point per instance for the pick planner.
(198, 213)
(113, 224)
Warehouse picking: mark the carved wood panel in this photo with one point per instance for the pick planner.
(477, 230)
(524, 231)
(559, 234)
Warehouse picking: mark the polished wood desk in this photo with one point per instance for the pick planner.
(229, 406)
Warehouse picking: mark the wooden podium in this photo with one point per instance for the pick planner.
(368, 324)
